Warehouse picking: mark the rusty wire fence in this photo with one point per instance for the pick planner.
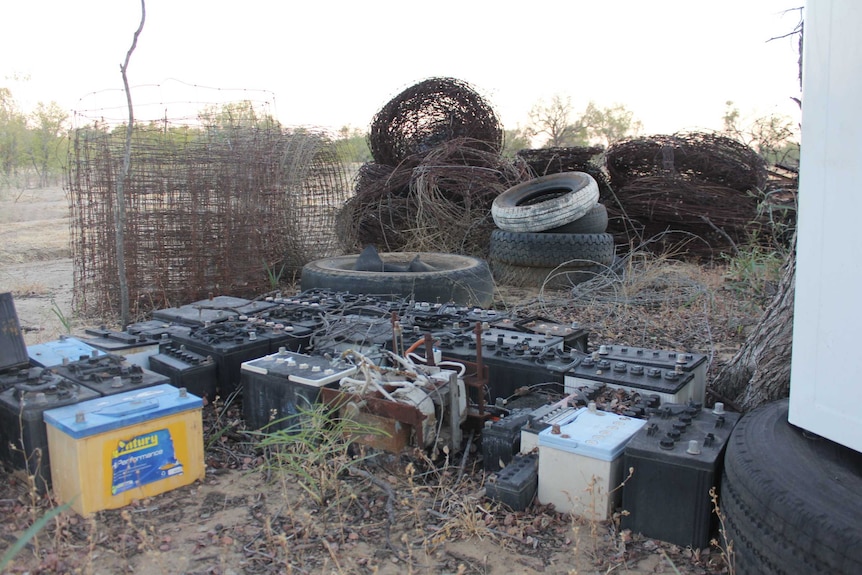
(210, 209)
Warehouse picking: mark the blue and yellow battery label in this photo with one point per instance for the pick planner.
(143, 459)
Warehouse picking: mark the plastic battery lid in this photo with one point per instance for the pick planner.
(52, 353)
(299, 368)
(596, 434)
(121, 410)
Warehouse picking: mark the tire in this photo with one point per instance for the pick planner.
(791, 501)
(561, 278)
(544, 203)
(463, 280)
(594, 221)
(545, 250)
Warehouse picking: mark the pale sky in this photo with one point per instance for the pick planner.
(674, 63)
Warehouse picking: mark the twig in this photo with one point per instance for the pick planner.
(722, 232)
(390, 507)
(464, 457)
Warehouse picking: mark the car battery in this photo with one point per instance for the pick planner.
(671, 385)
(21, 425)
(157, 329)
(109, 374)
(295, 315)
(581, 463)
(695, 363)
(422, 317)
(677, 458)
(110, 451)
(574, 336)
(510, 357)
(136, 348)
(515, 485)
(229, 344)
(238, 305)
(13, 351)
(61, 351)
(544, 417)
(278, 334)
(193, 316)
(501, 440)
(193, 371)
(360, 333)
(277, 386)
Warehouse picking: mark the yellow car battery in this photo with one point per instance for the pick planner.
(109, 451)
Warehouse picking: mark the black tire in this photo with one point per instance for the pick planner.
(791, 501)
(594, 221)
(546, 202)
(543, 250)
(463, 280)
(560, 278)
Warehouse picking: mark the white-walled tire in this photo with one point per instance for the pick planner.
(545, 203)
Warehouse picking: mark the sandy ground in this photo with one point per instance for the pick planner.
(35, 262)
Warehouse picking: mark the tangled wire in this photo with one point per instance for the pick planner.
(571, 159)
(700, 186)
(439, 201)
(428, 114)
(698, 156)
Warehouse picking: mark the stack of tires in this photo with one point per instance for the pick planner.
(551, 232)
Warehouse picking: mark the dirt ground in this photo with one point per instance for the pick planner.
(402, 514)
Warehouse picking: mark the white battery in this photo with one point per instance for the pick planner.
(543, 418)
(580, 463)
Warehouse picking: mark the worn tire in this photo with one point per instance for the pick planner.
(544, 250)
(460, 279)
(594, 221)
(544, 203)
(791, 501)
(560, 278)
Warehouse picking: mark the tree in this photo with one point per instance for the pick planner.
(13, 132)
(606, 126)
(773, 137)
(235, 116)
(603, 126)
(554, 121)
(352, 145)
(760, 370)
(46, 139)
(514, 140)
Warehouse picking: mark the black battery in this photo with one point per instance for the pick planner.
(501, 440)
(157, 329)
(23, 436)
(195, 372)
(229, 344)
(574, 336)
(514, 359)
(13, 351)
(695, 363)
(278, 386)
(516, 484)
(193, 316)
(676, 458)
(233, 342)
(136, 348)
(109, 374)
(672, 385)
